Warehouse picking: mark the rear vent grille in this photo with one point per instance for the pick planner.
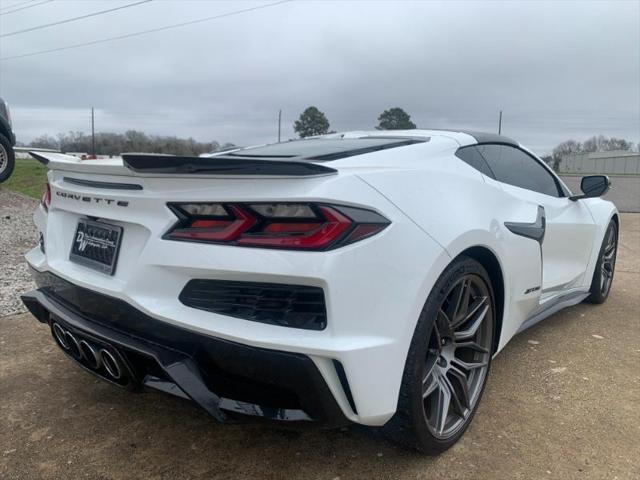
(285, 305)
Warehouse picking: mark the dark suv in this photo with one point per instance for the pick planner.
(7, 141)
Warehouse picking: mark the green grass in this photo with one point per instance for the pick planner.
(29, 177)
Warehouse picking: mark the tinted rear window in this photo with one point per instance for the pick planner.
(515, 167)
(324, 148)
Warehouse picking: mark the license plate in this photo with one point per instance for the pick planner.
(96, 245)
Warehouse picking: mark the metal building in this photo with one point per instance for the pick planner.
(614, 162)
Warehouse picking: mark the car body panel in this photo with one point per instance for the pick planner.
(568, 240)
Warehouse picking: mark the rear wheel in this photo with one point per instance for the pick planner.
(448, 361)
(7, 159)
(605, 267)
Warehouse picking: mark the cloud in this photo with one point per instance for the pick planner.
(558, 69)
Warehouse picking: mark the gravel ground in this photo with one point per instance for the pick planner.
(17, 235)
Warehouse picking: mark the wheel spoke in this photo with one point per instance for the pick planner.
(442, 324)
(472, 345)
(610, 240)
(441, 407)
(460, 301)
(470, 365)
(611, 246)
(473, 309)
(472, 329)
(436, 332)
(459, 396)
(430, 383)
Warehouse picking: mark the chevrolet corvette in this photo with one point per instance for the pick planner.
(363, 277)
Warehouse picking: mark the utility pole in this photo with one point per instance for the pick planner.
(93, 134)
(500, 124)
(279, 124)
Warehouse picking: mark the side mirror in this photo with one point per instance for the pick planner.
(593, 186)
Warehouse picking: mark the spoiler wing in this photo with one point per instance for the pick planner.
(159, 165)
(221, 165)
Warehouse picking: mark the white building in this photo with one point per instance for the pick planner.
(613, 162)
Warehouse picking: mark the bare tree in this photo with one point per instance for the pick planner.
(44, 141)
(131, 141)
(601, 143)
(597, 143)
(565, 148)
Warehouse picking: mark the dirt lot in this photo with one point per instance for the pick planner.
(561, 403)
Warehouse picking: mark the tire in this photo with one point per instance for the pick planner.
(416, 423)
(7, 159)
(605, 266)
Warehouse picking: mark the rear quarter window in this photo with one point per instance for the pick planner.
(472, 157)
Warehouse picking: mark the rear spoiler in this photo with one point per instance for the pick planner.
(222, 165)
(155, 164)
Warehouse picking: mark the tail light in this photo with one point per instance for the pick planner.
(46, 197)
(297, 226)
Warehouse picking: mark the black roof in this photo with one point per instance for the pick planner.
(483, 137)
(322, 148)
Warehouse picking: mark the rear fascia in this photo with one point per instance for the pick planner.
(195, 363)
(370, 338)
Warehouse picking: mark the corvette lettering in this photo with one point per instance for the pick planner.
(97, 200)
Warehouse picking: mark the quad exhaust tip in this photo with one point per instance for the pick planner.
(111, 365)
(74, 345)
(90, 355)
(61, 336)
(96, 358)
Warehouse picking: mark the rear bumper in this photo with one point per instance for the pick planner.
(218, 375)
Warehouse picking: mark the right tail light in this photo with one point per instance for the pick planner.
(295, 226)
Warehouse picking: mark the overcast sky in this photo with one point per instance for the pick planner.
(558, 70)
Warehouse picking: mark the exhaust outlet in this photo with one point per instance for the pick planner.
(61, 336)
(90, 354)
(74, 346)
(111, 364)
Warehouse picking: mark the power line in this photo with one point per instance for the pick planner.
(144, 32)
(24, 8)
(19, 4)
(69, 20)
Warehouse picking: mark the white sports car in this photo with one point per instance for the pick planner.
(364, 277)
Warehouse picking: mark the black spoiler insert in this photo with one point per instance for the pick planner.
(222, 165)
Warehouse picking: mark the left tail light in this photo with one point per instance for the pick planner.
(46, 197)
(296, 226)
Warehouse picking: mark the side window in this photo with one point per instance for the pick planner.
(513, 166)
(472, 156)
